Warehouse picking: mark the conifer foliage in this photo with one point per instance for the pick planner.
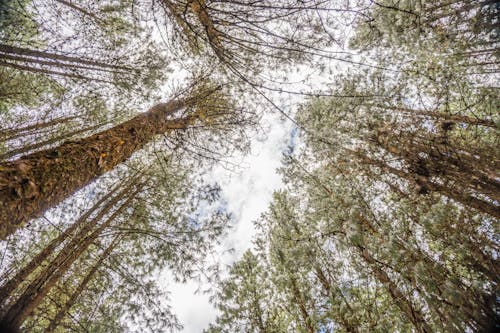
(113, 111)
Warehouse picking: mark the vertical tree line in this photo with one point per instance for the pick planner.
(388, 218)
(387, 222)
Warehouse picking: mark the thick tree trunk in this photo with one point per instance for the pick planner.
(38, 181)
(75, 242)
(81, 286)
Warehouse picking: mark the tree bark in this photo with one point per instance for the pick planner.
(414, 315)
(36, 182)
(9, 49)
(11, 285)
(37, 290)
(81, 286)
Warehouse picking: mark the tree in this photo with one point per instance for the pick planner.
(41, 180)
(246, 299)
(109, 255)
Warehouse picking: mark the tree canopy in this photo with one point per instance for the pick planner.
(112, 113)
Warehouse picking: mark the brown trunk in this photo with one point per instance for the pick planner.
(328, 288)
(76, 240)
(80, 10)
(31, 147)
(444, 116)
(8, 287)
(435, 271)
(49, 71)
(81, 287)
(414, 315)
(425, 184)
(465, 199)
(199, 8)
(302, 306)
(37, 291)
(8, 49)
(36, 182)
(10, 134)
(64, 65)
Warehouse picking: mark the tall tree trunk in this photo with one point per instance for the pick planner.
(38, 181)
(80, 10)
(76, 240)
(48, 142)
(404, 304)
(9, 49)
(12, 284)
(50, 71)
(424, 183)
(14, 133)
(63, 65)
(327, 286)
(36, 292)
(302, 306)
(81, 286)
(442, 116)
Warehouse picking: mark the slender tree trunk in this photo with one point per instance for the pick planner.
(36, 292)
(464, 198)
(80, 10)
(81, 286)
(76, 240)
(38, 181)
(10, 134)
(302, 306)
(442, 116)
(50, 72)
(327, 286)
(63, 65)
(8, 49)
(414, 315)
(51, 141)
(11, 285)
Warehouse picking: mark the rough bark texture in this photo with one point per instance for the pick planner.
(38, 181)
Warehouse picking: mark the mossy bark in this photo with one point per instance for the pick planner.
(38, 181)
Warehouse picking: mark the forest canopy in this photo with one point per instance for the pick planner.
(114, 112)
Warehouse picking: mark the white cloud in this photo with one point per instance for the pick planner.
(247, 195)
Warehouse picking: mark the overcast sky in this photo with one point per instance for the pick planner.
(247, 194)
